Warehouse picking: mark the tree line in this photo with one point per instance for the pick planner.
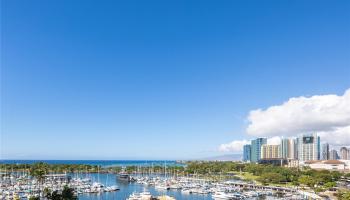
(265, 174)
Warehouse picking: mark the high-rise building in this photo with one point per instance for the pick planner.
(344, 153)
(308, 147)
(270, 151)
(333, 155)
(284, 148)
(296, 148)
(288, 148)
(325, 151)
(246, 152)
(256, 149)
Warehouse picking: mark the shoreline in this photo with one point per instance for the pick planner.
(259, 176)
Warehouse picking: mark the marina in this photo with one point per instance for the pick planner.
(91, 186)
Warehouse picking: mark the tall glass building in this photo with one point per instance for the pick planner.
(246, 152)
(284, 148)
(333, 155)
(325, 151)
(256, 149)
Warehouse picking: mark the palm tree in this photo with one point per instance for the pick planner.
(68, 193)
(54, 196)
(38, 170)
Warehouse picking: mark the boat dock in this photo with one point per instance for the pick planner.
(260, 187)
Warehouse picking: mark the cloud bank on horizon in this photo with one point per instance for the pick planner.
(327, 115)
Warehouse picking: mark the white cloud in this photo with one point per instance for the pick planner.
(328, 115)
(276, 140)
(338, 137)
(234, 146)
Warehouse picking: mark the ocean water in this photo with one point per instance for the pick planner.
(103, 163)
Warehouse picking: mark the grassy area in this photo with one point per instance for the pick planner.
(247, 176)
(250, 177)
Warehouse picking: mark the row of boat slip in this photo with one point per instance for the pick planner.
(25, 187)
(147, 196)
(217, 190)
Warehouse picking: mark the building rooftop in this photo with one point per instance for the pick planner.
(330, 162)
(333, 162)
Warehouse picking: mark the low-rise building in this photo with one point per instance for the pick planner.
(294, 163)
(347, 164)
(274, 161)
(333, 165)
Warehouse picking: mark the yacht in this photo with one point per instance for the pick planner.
(145, 195)
(162, 187)
(165, 197)
(123, 176)
(223, 195)
(140, 196)
(111, 188)
(186, 191)
(134, 196)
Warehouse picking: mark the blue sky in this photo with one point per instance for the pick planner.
(158, 79)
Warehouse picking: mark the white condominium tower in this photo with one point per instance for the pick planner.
(289, 148)
(308, 147)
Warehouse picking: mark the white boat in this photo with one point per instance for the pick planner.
(165, 197)
(186, 191)
(134, 196)
(162, 187)
(114, 188)
(223, 195)
(140, 196)
(202, 191)
(145, 195)
(175, 187)
(111, 188)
